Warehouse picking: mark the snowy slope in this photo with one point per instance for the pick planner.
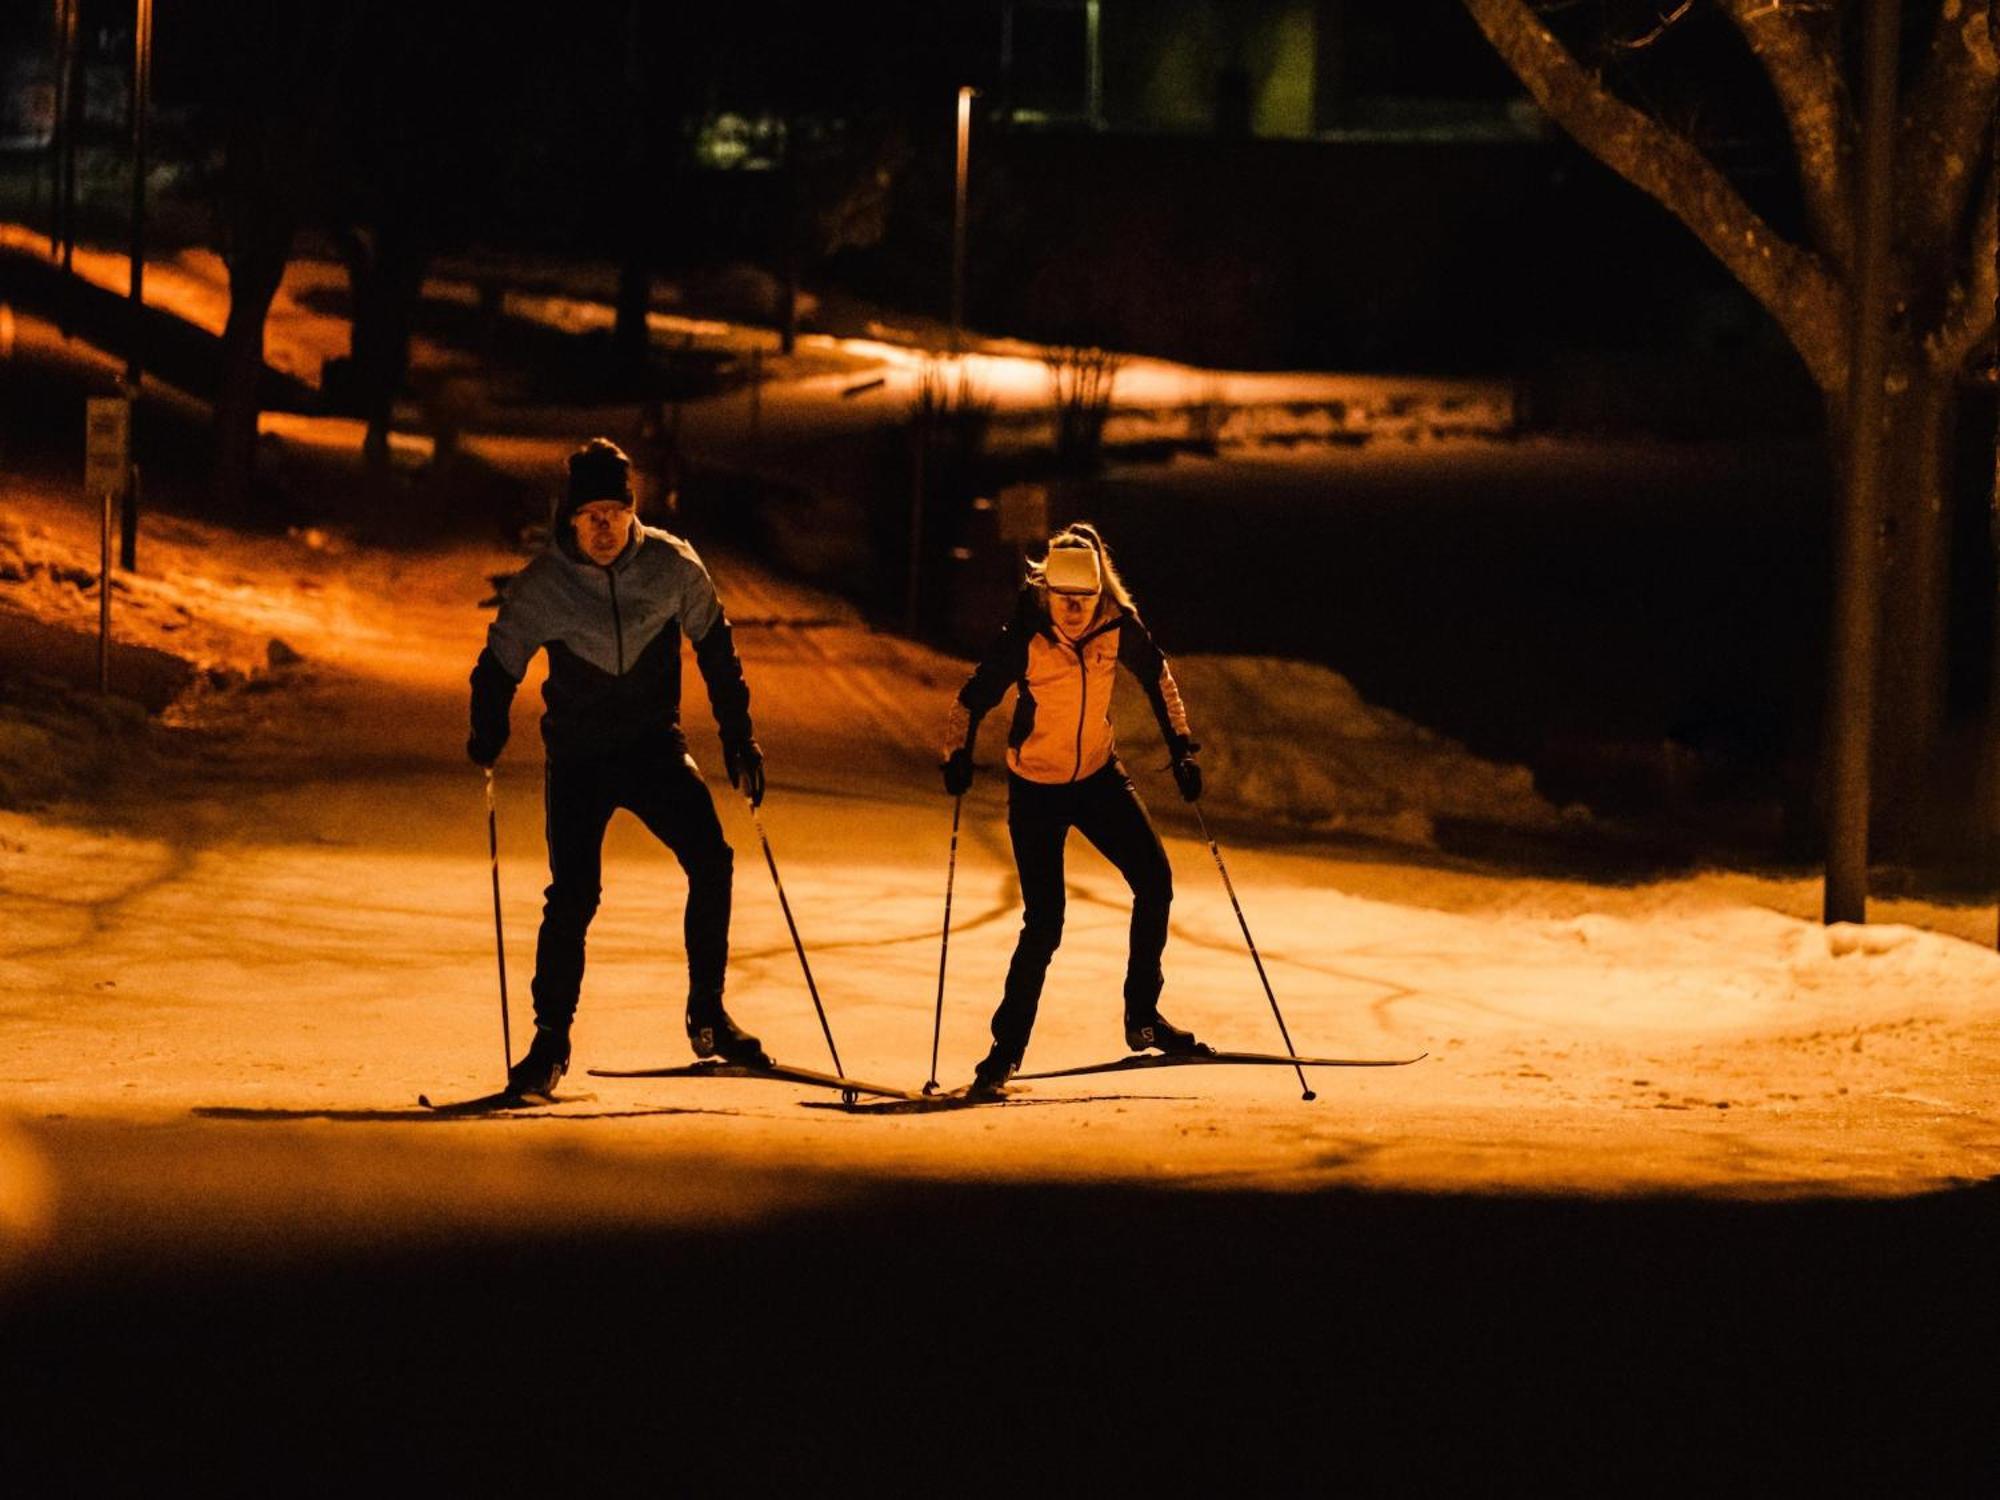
(1293, 743)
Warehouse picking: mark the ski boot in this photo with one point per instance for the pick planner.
(1156, 1030)
(538, 1072)
(712, 1034)
(989, 1079)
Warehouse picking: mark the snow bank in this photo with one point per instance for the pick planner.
(1293, 742)
(26, 1193)
(1887, 950)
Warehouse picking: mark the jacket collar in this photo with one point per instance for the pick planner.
(1110, 622)
(563, 544)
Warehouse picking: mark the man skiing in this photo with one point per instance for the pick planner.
(1073, 625)
(609, 600)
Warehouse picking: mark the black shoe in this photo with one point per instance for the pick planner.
(536, 1075)
(989, 1079)
(713, 1034)
(1156, 1030)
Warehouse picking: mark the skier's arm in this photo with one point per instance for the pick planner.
(999, 669)
(707, 627)
(1143, 658)
(492, 698)
(511, 643)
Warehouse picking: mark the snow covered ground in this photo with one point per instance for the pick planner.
(293, 929)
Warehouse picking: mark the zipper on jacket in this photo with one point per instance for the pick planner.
(1083, 698)
(618, 626)
(1082, 708)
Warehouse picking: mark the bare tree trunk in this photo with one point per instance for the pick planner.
(255, 270)
(1990, 778)
(788, 271)
(788, 296)
(385, 273)
(630, 336)
(1917, 534)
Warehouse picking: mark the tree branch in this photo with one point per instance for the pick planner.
(1942, 140)
(1793, 285)
(1968, 319)
(1803, 66)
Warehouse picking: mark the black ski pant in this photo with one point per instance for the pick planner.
(1105, 809)
(659, 785)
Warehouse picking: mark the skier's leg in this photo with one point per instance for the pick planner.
(577, 807)
(1037, 826)
(674, 804)
(1110, 814)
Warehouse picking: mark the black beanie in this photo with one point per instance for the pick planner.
(599, 470)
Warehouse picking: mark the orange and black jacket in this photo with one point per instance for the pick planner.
(1062, 716)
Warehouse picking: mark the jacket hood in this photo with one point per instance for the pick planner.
(562, 536)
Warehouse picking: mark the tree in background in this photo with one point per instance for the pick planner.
(1802, 271)
(840, 177)
(414, 159)
(830, 110)
(268, 98)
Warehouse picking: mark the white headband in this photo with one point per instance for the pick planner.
(1072, 570)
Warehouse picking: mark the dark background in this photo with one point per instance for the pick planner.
(1651, 596)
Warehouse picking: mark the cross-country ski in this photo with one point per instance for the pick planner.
(1221, 1059)
(948, 1101)
(503, 1102)
(775, 1072)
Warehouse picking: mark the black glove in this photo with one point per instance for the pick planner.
(492, 695)
(957, 773)
(1187, 775)
(745, 764)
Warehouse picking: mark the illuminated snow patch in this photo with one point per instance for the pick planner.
(26, 1191)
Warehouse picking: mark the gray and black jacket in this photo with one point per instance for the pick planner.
(613, 634)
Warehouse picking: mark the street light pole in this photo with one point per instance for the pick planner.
(958, 222)
(56, 43)
(142, 89)
(142, 94)
(63, 140)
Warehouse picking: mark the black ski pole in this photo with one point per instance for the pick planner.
(797, 946)
(499, 941)
(944, 948)
(1230, 886)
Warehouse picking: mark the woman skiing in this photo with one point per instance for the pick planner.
(1072, 626)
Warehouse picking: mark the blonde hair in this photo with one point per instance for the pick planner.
(1083, 534)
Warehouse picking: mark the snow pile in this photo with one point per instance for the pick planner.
(1889, 950)
(1293, 742)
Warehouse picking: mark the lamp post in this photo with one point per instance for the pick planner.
(62, 141)
(142, 89)
(142, 93)
(958, 221)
